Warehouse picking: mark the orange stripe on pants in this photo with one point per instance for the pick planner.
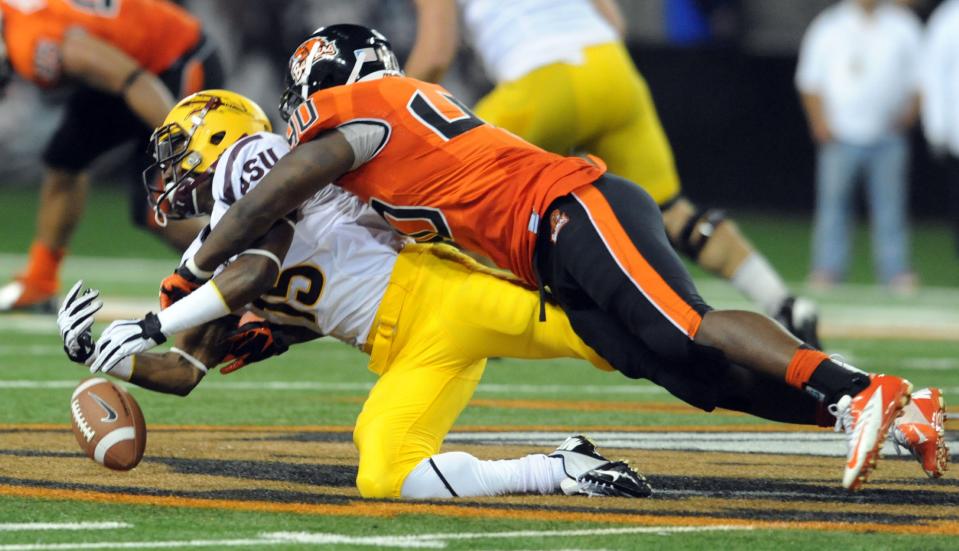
(642, 274)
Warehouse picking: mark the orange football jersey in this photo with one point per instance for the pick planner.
(154, 32)
(442, 173)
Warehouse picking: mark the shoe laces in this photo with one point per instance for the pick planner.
(842, 411)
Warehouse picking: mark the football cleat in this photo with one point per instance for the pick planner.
(921, 431)
(26, 295)
(866, 418)
(591, 474)
(801, 318)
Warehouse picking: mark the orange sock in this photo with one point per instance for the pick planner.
(44, 264)
(801, 367)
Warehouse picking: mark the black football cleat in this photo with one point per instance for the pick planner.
(801, 318)
(591, 474)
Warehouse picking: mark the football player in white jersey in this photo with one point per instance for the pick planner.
(565, 82)
(345, 274)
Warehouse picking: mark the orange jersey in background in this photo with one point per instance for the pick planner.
(154, 32)
(442, 173)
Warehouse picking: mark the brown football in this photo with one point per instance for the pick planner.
(108, 424)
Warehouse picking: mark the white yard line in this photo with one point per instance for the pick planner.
(420, 541)
(43, 526)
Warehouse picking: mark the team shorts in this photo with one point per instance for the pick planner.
(95, 122)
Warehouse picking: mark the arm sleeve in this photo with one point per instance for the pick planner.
(367, 138)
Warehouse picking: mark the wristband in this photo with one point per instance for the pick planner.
(195, 271)
(124, 369)
(131, 78)
(201, 306)
(266, 254)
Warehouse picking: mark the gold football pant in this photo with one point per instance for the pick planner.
(442, 315)
(602, 106)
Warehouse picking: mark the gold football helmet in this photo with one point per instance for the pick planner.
(185, 149)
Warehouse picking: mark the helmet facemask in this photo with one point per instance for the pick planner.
(173, 178)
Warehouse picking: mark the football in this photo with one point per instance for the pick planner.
(108, 424)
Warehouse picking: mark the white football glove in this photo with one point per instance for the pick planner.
(125, 338)
(75, 319)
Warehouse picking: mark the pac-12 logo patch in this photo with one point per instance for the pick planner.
(557, 219)
(310, 52)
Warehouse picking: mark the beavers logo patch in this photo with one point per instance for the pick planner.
(557, 220)
(311, 51)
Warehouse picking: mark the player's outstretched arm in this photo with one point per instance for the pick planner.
(248, 277)
(105, 67)
(437, 38)
(181, 370)
(294, 179)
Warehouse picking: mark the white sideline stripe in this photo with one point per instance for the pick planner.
(112, 438)
(630, 389)
(421, 541)
(27, 526)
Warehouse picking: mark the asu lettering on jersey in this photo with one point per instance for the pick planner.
(334, 275)
(441, 172)
(154, 32)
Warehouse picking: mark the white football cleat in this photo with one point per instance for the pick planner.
(921, 431)
(866, 418)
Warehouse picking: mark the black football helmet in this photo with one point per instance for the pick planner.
(333, 56)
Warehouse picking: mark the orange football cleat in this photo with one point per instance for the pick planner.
(921, 430)
(866, 418)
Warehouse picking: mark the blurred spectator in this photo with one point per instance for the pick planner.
(940, 94)
(857, 77)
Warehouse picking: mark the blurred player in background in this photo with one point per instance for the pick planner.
(565, 82)
(346, 274)
(127, 61)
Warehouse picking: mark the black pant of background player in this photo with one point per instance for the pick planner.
(628, 305)
(95, 122)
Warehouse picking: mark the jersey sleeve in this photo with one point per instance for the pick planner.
(242, 166)
(356, 109)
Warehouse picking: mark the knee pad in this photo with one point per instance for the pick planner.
(697, 231)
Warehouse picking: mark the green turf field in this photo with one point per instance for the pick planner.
(314, 393)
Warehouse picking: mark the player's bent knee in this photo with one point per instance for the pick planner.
(697, 231)
(376, 486)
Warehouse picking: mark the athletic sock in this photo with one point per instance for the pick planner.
(757, 279)
(459, 474)
(811, 370)
(43, 265)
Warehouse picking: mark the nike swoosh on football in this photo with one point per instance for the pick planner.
(111, 413)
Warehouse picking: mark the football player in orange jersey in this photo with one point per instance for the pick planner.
(129, 59)
(593, 242)
(531, 49)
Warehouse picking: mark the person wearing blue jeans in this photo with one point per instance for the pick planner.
(858, 80)
(882, 167)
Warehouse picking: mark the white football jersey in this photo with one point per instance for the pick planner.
(515, 37)
(336, 271)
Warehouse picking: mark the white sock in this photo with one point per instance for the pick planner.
(459, 474)
(757, 279)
